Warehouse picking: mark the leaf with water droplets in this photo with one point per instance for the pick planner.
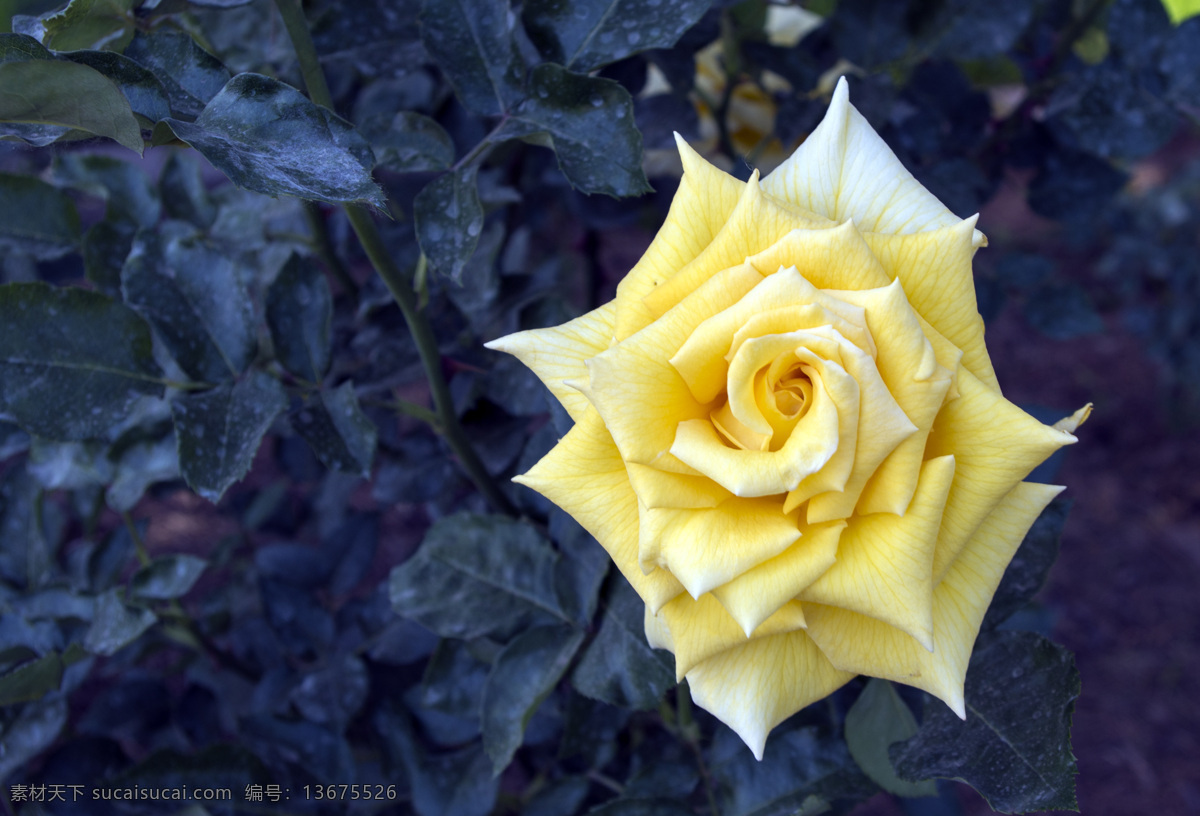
(36, 218)
(72, 362)
(449, 218)
(299, 311)
(1015, 745)
(590, 124)
(473, 44)
(268, 137)
(478, 575)
(586, 34)
(219, 431)
(525, 672)
(196, 299)
(339, 432)
(409, 143)
(115, 625)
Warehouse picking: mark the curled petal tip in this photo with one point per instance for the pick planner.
(1069, 424)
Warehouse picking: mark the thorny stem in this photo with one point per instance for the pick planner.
(386, 268)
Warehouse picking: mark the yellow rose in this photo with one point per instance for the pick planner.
(789, 436)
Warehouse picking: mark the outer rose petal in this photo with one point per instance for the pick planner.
(754, 687)
(935, 269)
(845, 170)
(758, 221)
(702, 628)
(585, 476)
(995, 445)
(864, 645)
(885, 562)
(756, 594)
(700, 208)
(560, 353)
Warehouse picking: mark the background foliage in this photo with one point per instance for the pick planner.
(242, 377)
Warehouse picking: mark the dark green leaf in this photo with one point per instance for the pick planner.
(170, 576)
(582, 568)
(20, 48)
(1062, 311)
(90, 24)
(802, 770)
(377, 38)
(455, 784)
(449, 218)
(145, 93)
(642, 807)
(877, 719)
(585, 34)
(870, 32)
(130, 193)
(196, 300)
(31, 731)
(1180, 64)
(115, 625)
(562, 797)
(472, 41)
(140, 465)
(1027, 571)
(478, 575)
(219, 431)
(1136, 29)
(334, 694)
(1015, 745)
(299, 311)
(339, 432)
(963, 30)
(66, 94)
(589, 121)
(411, 143)
(105, 247)
(182, 190)
(1074, 186)
(73, 361)
(190, 75)
(524, 674)
(32, 681)
(619, 667)
(1108, 113)
(35, 218)
(317, 749)
(268, 137)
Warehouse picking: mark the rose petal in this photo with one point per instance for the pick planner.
(833, 258)
(995, 445)
(935, 269)
(756, 222)
(636, 390)
(754, 687)
(845, 170)
(863, 645)
(560, 353)
(585, 476)
(884, 563)
(708, 547)
(754, 595)
(701, 629)
(700, 208)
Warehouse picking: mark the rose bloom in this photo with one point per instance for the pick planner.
(788, 432)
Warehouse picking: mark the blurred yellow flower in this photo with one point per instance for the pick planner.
(788, 433)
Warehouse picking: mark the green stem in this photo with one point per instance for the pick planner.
(386, 268)
(138, 545)
(689, 729)
(310, 66)
(324, 247)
